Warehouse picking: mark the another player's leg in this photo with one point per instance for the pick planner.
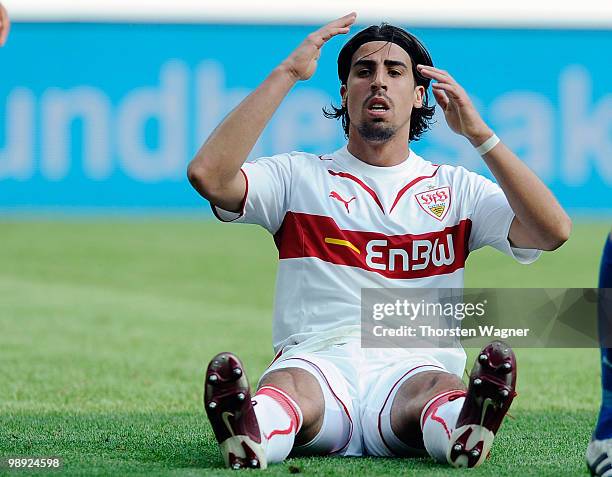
(599, 451)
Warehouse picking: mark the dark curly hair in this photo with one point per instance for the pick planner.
(421, 118)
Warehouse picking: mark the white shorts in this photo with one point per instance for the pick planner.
(361, 384)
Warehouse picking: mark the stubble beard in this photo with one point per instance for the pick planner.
(375, 131)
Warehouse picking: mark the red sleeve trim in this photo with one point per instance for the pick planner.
(242, 203)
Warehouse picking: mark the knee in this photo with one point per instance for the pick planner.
(428, 384)
(304, 389)
(440, 382)
(416, 392)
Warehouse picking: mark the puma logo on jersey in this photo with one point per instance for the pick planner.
(334, 195)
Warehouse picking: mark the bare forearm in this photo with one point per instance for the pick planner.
(543, 222)
(227, 148)
(540, 221)
(215, 170)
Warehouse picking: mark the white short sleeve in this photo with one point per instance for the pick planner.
(491, 218)
(266, 199)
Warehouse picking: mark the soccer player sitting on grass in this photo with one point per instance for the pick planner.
(335, 219)
(599, 451)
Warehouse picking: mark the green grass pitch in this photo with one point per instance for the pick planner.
(106, 327)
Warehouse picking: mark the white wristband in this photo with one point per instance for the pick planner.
(488, 145)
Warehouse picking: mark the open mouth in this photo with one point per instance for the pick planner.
(378, 105)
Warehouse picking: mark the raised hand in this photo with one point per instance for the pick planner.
(459, 111)
(302, 63)
(5, 25)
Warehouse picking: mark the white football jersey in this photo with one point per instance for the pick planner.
(341, 225)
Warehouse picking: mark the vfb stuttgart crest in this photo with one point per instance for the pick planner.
(435, 202)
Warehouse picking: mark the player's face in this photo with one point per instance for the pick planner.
(381, 92)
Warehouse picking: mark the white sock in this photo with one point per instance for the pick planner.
(438, 421)
(279, 419)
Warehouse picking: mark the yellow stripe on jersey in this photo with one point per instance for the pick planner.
(345, 243)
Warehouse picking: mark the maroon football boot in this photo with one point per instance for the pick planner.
(227, 401)
(489, 395)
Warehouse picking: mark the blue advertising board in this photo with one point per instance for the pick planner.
(109, 115)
